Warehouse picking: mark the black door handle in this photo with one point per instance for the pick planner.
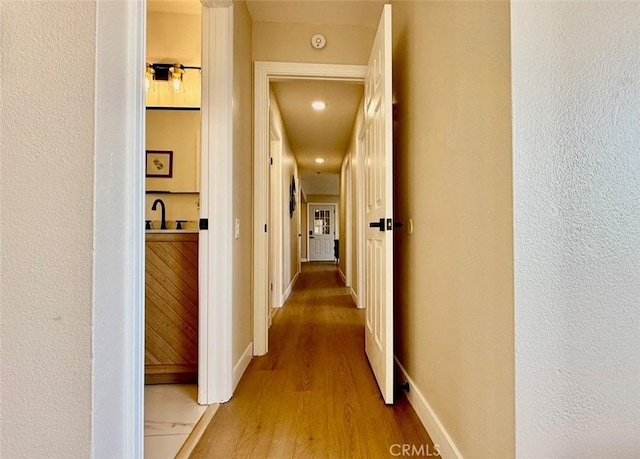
(378, 224)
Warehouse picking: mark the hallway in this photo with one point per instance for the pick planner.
(313, 394)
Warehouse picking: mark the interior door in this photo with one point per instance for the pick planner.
(378, 181)
(322, 231)
(272, 233)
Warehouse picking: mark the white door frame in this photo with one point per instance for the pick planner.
(117, 424)
(119, 245)
(348, 221)
(264, 73)
(215, 310)
(360, 227)
(275, 216)
(336, 222)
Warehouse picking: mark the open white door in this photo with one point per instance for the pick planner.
(378, 212)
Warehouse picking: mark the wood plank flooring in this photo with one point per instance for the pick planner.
(313, 394)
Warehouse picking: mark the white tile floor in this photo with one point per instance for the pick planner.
(171, 412)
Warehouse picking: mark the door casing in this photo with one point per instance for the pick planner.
(336, 223)
(275, 219)
(264, 73)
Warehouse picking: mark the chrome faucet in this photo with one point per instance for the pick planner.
(163, 223)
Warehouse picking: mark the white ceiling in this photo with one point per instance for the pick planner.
(365, 13)
(312, 133)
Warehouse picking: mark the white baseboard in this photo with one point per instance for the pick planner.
(287, 292)
(354, 296)
(240, 367)
(344, 278)
(304, 260)
(430, 421)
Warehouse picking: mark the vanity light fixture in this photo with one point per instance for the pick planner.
(319, 105)
(319, 160)
(173, 74)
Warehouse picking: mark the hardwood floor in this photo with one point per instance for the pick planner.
(313, 394)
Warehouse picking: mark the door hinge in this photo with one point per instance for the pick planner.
(265, 227)
(204, 223)
(271, 287)
(271, 161)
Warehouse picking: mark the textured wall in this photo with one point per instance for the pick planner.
(454, 274)
(242, 178)
(47, 147)
(576, 108)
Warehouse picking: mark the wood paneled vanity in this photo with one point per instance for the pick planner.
(171, 315)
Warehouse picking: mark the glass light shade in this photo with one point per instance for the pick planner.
(176, 84)
(148, 79)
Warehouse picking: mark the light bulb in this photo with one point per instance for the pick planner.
(148, 79)
(319, 105)
(176, 85)
(175, 79)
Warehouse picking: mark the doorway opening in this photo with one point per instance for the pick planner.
(172, 189)
(267, 73)
(323, 222)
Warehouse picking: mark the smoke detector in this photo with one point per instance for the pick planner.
(318, 41)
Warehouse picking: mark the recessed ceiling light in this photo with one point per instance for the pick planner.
(319, 160)
(319, 105)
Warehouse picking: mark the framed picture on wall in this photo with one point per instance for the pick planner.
(292, 196)
(159, 164)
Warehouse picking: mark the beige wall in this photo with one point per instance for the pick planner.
(290, 222)
(288, 167)
(173, 37)
(47, 187)
(242, 178)
(177, 131)
(323, 198)
(454, 274)
(292, 43)
(351, 158)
